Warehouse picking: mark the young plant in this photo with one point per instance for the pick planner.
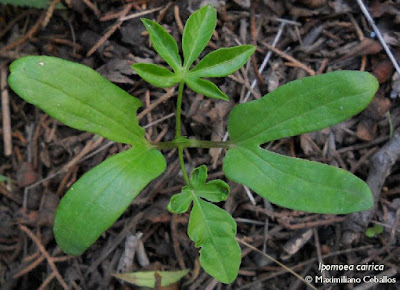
(81, 98)
(374, 231)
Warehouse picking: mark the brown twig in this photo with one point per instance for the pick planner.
(63, 183)
(364, 158)
(12, 23)
(379, 35)
(92, 7)
(30, 34)
(47, 281)
(277, 262)
(284, 55)
(110, 31)
(49, 13)
(113, 15)
(333, 220)
(90, 145)
(5, 106)
(178, 19)
(45, 254)
(29, 268)
(10, 196)
(141, 13)
(163, 11)
(160, 100)
(381, 165)
(363, 145)
(35, 141)
(175, 241)
(149, 116)
(302, 264)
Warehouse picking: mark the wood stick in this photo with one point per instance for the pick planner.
(5, 106)
(284, 55)
(42, 249)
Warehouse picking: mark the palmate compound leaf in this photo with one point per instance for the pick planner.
(221, 62)
(197, 32)
(210, 227)
(77, 96)
(102, 194)
(301, 106)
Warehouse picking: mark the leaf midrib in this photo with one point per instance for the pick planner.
(195, 44)
(172, 51)
(249, 136)
(196, 200)
(127, 117)
(195, 73)
(138, 156)
(284, 172)
(90, 106)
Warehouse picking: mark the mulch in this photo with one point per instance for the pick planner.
(42, 158)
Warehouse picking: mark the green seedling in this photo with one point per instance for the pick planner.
(3, 178)
(79, 97)
(374, 231)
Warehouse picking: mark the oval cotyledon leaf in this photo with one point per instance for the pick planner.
(102, 194)
(77, 96)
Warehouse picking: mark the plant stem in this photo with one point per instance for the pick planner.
(191, 143)
(182, 165)
(178, 110)
(178, 132)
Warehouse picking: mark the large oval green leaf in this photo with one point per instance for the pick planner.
(295, 183)
(304, 105)
(197, 32)
(101, 195)
(77, 96)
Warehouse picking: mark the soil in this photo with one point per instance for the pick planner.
(42, 158)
